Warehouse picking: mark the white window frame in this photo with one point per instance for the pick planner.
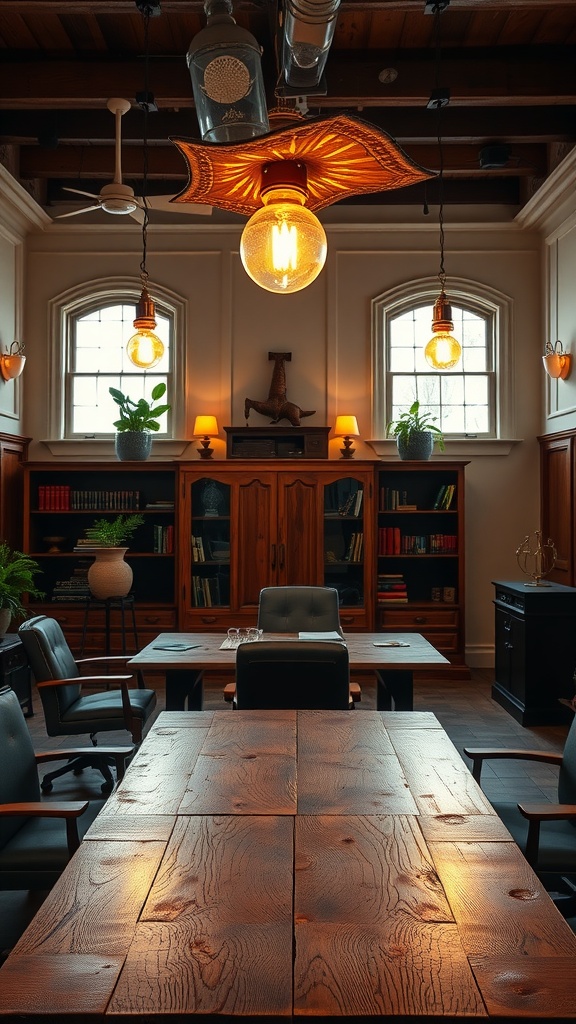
(94, 294)
(480, 299)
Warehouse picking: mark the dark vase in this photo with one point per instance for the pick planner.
(133, 445)
(417, 447)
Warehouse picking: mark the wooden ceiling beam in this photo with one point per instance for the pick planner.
(479, 80)
(118, 7)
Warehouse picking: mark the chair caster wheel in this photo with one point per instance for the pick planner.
(46, 787)
(107, 787)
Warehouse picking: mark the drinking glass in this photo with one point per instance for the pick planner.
(254, 633)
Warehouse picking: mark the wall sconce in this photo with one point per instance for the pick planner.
(557, 362)
(12, 362)
(205, 427)
(347, 428)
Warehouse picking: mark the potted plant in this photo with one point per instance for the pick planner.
(110, 575)
(415, 434)
(17, 572)
(136, 421)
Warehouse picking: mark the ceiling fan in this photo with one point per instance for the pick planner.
(118, 198)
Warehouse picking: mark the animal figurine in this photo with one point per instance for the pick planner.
(276, 405)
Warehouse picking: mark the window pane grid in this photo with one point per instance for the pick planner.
(460, 398)
(98, 360)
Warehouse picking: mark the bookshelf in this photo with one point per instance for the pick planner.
(420, 553)
(62, 500)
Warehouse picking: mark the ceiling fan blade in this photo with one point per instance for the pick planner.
(138, 215)
(74, 213)
(79, 192)
(163, 203)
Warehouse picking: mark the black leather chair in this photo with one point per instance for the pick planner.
(68, 709)
(296, 609)
(37, 838)
(545, 832)
(292, 674)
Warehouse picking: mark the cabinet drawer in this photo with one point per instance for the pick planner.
(350, 620)
(155, 620)
(418, 618)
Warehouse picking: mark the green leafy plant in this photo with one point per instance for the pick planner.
(413, 422)
(111, 533)
(17, 572)
(140, 415)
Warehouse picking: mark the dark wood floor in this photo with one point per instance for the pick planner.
(465, 709)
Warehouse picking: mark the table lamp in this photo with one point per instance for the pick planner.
(347, 428)
(205, 427)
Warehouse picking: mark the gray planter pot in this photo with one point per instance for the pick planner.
(418, 448)
(133, 445)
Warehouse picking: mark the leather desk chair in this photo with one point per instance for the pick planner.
(36, 838)
(290, 674)
(68, 710)
(295, 609)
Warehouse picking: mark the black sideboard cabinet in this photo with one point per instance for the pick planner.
(535, 637)
(15, 670)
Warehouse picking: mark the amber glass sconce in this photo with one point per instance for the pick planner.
(557, 362)
(12, 362)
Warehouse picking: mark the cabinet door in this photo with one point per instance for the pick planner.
(510, 665)
(347, 546)
(558, 471)
(255, 544)
(299, 530)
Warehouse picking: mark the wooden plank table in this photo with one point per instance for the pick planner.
(392, 666)
(289, 864)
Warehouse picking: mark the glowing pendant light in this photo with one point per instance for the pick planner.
(283, 246)
(443, 350)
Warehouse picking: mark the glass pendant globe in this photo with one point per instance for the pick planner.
(442, 351)
(283, 246)
(145, 349)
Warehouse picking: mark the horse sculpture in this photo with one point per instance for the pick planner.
(276, 405)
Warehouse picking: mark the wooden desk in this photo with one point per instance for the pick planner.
(269, 864)
(393, 666)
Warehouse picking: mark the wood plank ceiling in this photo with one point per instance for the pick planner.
(510, 66)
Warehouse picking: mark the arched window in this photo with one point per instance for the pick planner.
(94, 328)
(472, 399)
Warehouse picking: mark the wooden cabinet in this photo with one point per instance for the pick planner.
(248, 526)
(60, 501)
(558, 502)
(535, 636)
(13, 451)
(15, 670)
(420, 574)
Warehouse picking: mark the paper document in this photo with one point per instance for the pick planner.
(328, 634)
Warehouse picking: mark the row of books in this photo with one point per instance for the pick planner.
(206, 591)
(391, 498)
(61, 498)
(392, 541)
(353, 504)
(391, 589)
(163, 539)
(75, 588)
(355, 547)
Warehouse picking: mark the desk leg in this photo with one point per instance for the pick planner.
(182, 685)
(394, 690)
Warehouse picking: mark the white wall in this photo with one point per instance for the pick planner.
(231, 326)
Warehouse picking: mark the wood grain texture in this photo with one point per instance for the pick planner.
(458, 828)
(216, 932)
(94, 906)
(130, 827)
(81, 981)
(528, 987)
(438, 779)
(500, 906)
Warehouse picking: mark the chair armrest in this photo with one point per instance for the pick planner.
(480, 754)
(82, 680)
(69, 811)
(112, 659)
(537, 813)
(120, 755)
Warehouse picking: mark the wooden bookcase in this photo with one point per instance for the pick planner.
(251, 525)
(420, 554)
(61, 500)
(558, 502)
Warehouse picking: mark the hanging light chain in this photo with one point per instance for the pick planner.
(439, 106)
(143, 270)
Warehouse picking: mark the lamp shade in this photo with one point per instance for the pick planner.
(205, 426)
(346, 426)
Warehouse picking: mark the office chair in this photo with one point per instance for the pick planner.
(545, 832)
(67, 709)
(292, 674)
(296, 609)
(37, 838)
